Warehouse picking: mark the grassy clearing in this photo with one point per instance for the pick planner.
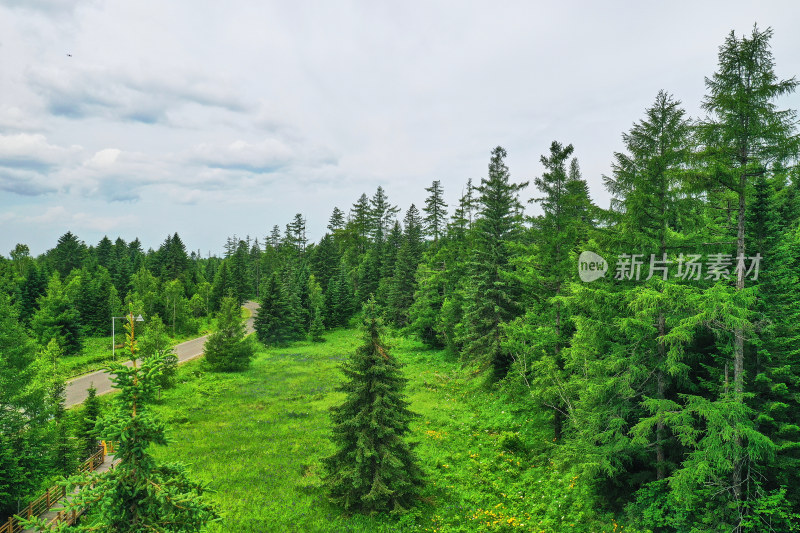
(256, 438)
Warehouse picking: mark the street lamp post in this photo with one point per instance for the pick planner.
(113, 331)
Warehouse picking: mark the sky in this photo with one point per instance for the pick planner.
(142, 118)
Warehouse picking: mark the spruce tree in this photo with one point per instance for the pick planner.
(87, 431)
(227, 349)
(336, 222)
(743, 137)
(435, 211)
(222, 287)
(316, 302)
(401, 294)
(492, 298)
(58, 319)
(139, 494)
(24, 413)
(373, 468)
(68, 254)
(272, 321)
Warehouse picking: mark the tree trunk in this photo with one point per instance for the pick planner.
(662, 327)
(738, 353)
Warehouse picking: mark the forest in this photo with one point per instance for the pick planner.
(667, 386)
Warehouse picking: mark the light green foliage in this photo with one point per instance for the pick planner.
(24, 412)
(227, 349)
(156, 343)
(139, 494)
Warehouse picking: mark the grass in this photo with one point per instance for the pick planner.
(257, 437)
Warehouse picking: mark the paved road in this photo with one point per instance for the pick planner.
(76, 388)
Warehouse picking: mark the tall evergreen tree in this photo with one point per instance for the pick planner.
(316, 302)
(401, 294)
(492, 298)
(227, 349)
(24, 415)
(435, 211)
(68, 254)
(58, 319)
(87, 433)
(381, 212)
(743, 137)
(373, 468)
(336, 222)
(271, 324)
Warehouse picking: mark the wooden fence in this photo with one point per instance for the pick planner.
(53, 495)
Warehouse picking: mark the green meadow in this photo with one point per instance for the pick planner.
(256, 439)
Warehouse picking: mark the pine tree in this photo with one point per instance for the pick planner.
(435, 211)
(227, 349)
(373, 468)
(271, 325)
(546, 271)
(360, 222)
(68, 254)
(33, 287)
(87, 431)
(24, 413)
(743, 137)
(336, 222)
(491, 298)
(222, 287)
(138, 494)
(57, 319)
(381, 213)
(104, 252)
(156, 343)
(316, 302)
(339, 298)
(401, 294)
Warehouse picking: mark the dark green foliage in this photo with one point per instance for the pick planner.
(336, 222)
(68, 254)
(491, 297)
(272, 323)
(435, 211)
(34, 286)
(374, 468)
(403, 284)
(58, 319)
(171, 260)
(316, 304)
(87, 435)
(227, 349)
(222, 287)
(339, 298)
(97, 300)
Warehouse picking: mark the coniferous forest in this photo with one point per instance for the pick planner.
(648, 352)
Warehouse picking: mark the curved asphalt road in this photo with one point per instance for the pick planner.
(101, 380)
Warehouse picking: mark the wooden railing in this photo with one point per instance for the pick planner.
(53, 495)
